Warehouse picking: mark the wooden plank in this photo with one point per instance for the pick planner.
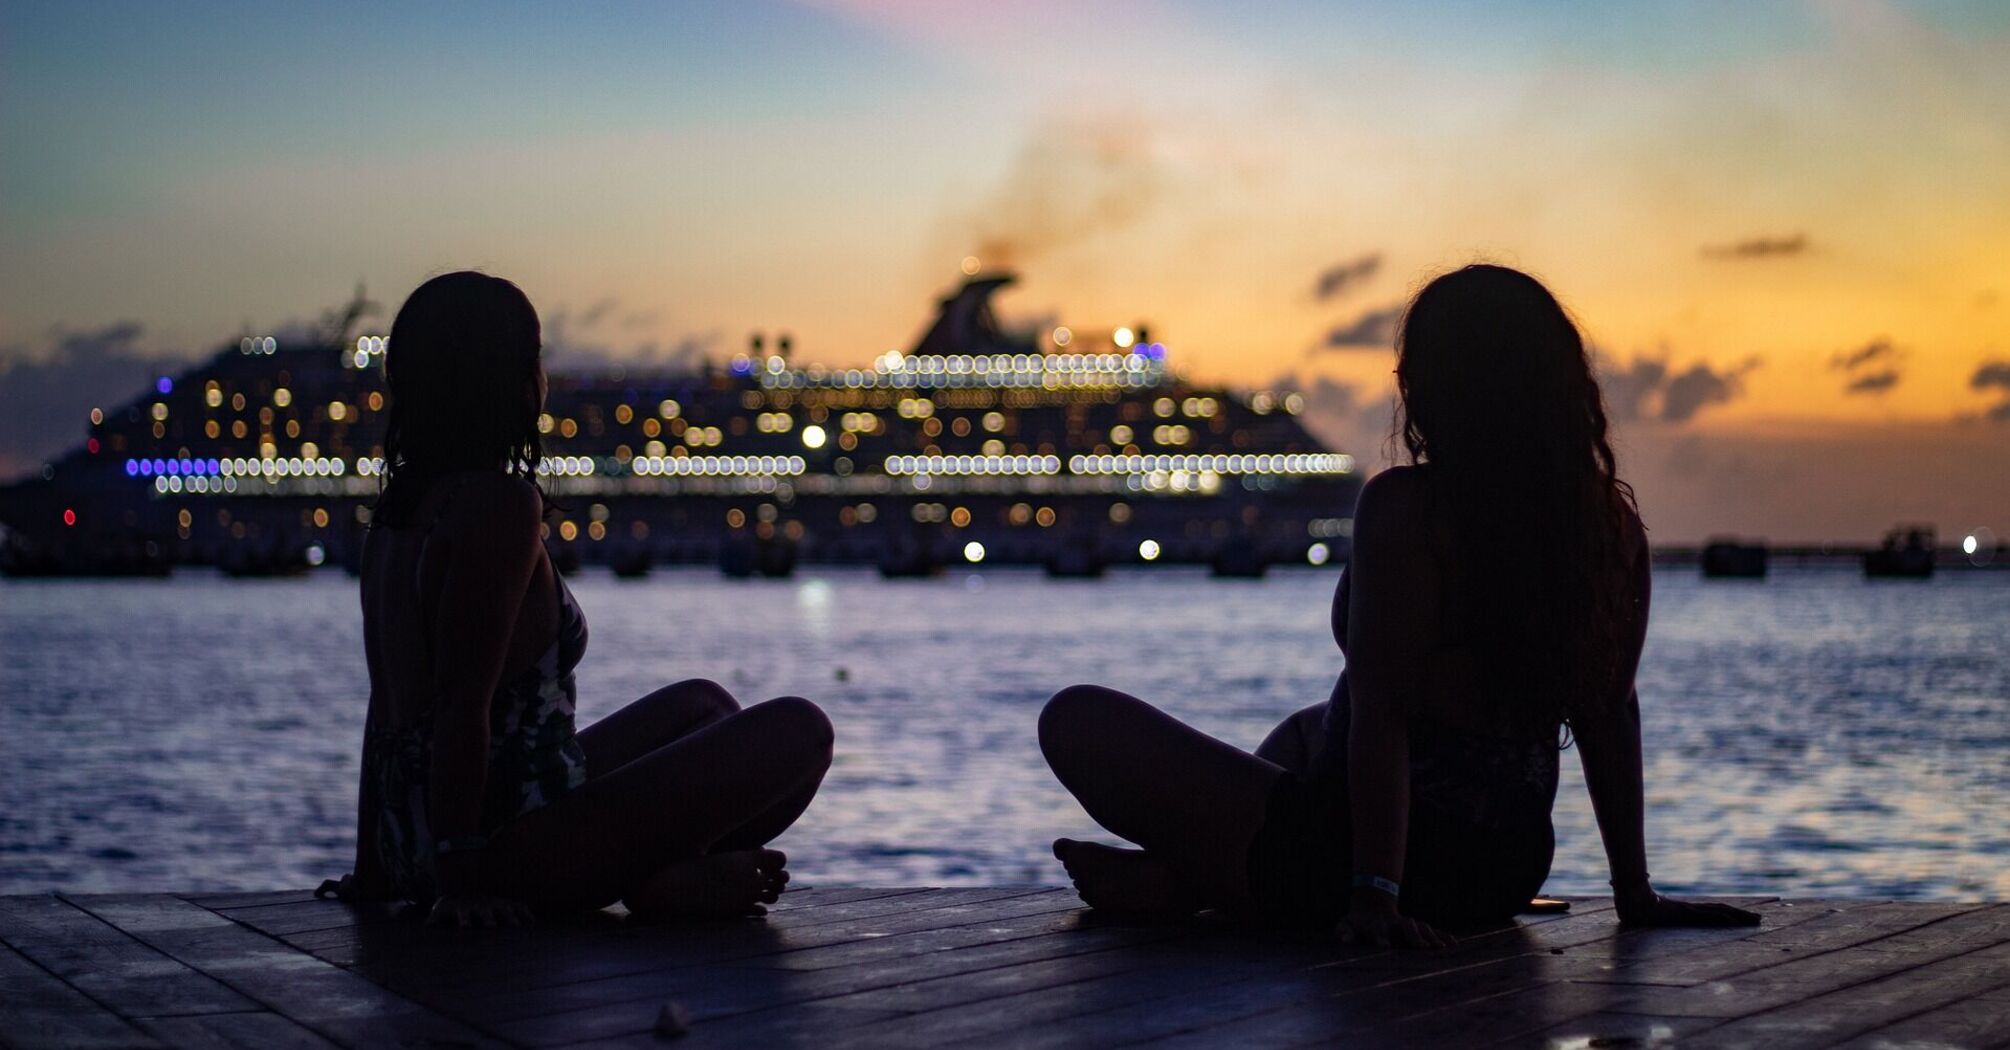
(1413, 985)
(337, 1004)
(1753, 991)
(802, 1026)
(109, 966)
(218, 901)
(624, 1004)
(1825, 1019)
(38, 1011)
(1839, 927)
(1226, 956)
(1614, 1030)
(280, 920)
(394, 948)
(531, 958)
(1981, 1022)
(915, 936)
(249, 1031)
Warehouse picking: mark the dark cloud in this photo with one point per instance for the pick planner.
(1629, 390)
(1877, 349)
(1876, 382)
(686, 354)
(1759, 248)
(1073, 180)
(1994, 375)
(1343, 277)
(598, 312)
(47, 393)
(1871, 368)
(589, 340)
(1689, 392)
(1343, 417)
(1373, 330)
(1649, 389)
(1991, 374)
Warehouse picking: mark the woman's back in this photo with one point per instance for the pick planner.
(1469, 686)
(405, 572)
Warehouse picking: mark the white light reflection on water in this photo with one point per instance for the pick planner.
(1814, 734)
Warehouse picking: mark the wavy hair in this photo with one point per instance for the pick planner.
(463, 349)
(1498, 400)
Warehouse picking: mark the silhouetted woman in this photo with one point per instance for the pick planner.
(478, 797)
(1497, 592)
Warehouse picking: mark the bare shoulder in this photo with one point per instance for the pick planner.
(497, 506)
(1632, 534)
(1393, 502)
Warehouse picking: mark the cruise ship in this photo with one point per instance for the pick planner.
(1070, 450)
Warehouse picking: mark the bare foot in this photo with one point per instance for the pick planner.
(1124, 880)
(721, 884)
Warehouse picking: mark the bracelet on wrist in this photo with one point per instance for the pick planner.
(1378, 884)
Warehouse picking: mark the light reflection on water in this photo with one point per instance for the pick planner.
(1815, 734)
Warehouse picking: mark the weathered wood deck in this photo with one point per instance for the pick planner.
(1006, 966)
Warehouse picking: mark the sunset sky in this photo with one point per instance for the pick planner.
(1785, 225)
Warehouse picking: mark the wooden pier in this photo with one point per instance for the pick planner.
(1005, 966)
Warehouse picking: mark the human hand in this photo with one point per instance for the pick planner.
(1646, 908)
(478, 909)
(356, 889)
(1385, 927)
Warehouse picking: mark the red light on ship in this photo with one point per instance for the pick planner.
(92, 446)
(69, 517)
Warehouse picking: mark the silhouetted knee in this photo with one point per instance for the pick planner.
(709, 696)
(1068, 723)
(804, 730)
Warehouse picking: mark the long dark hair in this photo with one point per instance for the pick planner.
(463, 349)
(1499, 400)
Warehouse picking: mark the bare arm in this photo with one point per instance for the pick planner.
(1608, 744)
(488, 571)
(1608, 737)
(1392, 628)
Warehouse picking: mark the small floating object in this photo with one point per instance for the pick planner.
(1907, 552)
(1727, 557)
(1241, 560)
(673, 1020)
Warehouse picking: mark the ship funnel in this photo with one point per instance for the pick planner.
(965, 324)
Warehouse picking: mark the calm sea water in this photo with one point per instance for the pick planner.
(1814, 734)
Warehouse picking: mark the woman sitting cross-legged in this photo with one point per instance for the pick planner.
(1497, 593)
(478, 797)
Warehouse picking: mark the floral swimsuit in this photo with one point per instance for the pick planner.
(534, 756)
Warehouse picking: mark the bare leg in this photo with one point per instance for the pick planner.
(1193, 802)
(670, 713)
(1297, 740)
(619, 831)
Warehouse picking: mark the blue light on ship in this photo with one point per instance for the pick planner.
(164, 385)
